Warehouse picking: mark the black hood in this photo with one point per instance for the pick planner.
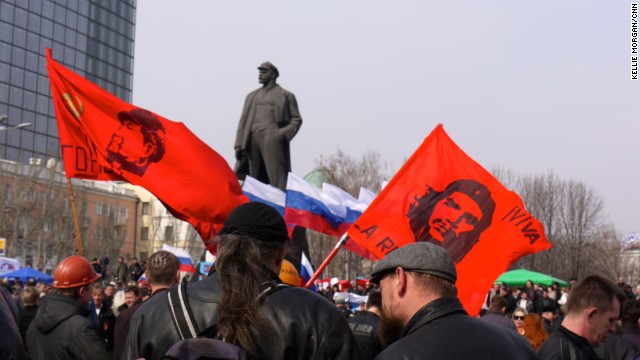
(54, 309)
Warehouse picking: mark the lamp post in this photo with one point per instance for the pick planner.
(4, 118)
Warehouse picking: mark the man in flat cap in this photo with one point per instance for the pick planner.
(422, 318)
(270, 119)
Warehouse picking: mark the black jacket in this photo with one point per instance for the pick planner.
(364, 326)
(443, 330)
(10, 343)
(498, 318)
(303, 324)
(105, 321)
(563, 344)
(62, 330)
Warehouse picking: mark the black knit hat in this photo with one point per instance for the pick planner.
(257, 220)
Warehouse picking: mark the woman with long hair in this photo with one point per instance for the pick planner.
(534, 330)
(257, 311)
(518, 319)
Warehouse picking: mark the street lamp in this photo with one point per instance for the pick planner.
(4, 118)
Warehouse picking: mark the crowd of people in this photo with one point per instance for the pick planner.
(243, 308)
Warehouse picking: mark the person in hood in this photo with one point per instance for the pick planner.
(62, 328)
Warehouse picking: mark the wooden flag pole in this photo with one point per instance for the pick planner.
(332, 254)
(75, 218)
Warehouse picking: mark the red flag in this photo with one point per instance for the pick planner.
(443, 196)
(105, 138)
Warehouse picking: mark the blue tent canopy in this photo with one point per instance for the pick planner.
(27, 273)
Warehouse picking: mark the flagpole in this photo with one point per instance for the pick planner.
(75, 218)
(339, 244)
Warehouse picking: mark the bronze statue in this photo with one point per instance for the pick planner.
(270, 119)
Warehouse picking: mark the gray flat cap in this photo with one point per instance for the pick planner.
(423, 257)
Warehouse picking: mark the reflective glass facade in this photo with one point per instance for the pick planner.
(93, 38)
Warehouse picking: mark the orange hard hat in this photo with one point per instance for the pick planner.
(74, 271)
(289, 274)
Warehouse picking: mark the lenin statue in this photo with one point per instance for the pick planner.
(270, 119)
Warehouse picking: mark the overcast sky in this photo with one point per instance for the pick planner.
(529, 86)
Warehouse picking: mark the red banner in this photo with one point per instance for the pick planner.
(443, 196)
(105, 138)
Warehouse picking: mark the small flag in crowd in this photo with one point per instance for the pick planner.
(184, 258)
(105, 138)
(306, 271)
(443, 196)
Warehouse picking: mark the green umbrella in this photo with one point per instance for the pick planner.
(519, 277)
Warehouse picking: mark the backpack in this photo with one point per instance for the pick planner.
(197, 345)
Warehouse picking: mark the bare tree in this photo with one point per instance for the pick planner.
(572, 215)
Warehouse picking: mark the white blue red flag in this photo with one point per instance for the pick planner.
(186, 264)
(353, 209)
(306, 271)
(313, 209)
(255, 190)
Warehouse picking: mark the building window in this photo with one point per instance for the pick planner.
(145, 208)
(99, 208)
(144, 233)
(31, 196)
(124, 213)
(168, 233)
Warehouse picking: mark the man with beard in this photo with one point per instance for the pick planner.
(422, 317)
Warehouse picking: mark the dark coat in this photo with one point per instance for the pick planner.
(563, 344)
(10, 343)
(631, 333)
(498, 318)
(122, 325)
(364, 326)
(303, 325)
(443, 330)
(27, 314)
(62, 330)
(105, 321)
(122, 273)
(617, 348)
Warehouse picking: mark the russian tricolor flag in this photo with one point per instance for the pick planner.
(306, 271)
(313, 209)
(353, 209)
(267, 194)
(186, 264)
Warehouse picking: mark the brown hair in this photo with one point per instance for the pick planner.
(133, 289)
(241, 265)
(497, 303)
(594, 290)
(534, 330)
(162, 268)
(30, 296)
(631, 312)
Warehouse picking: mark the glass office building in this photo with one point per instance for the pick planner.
(93, 38)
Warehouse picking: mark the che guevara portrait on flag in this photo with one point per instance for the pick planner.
(453, 218)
